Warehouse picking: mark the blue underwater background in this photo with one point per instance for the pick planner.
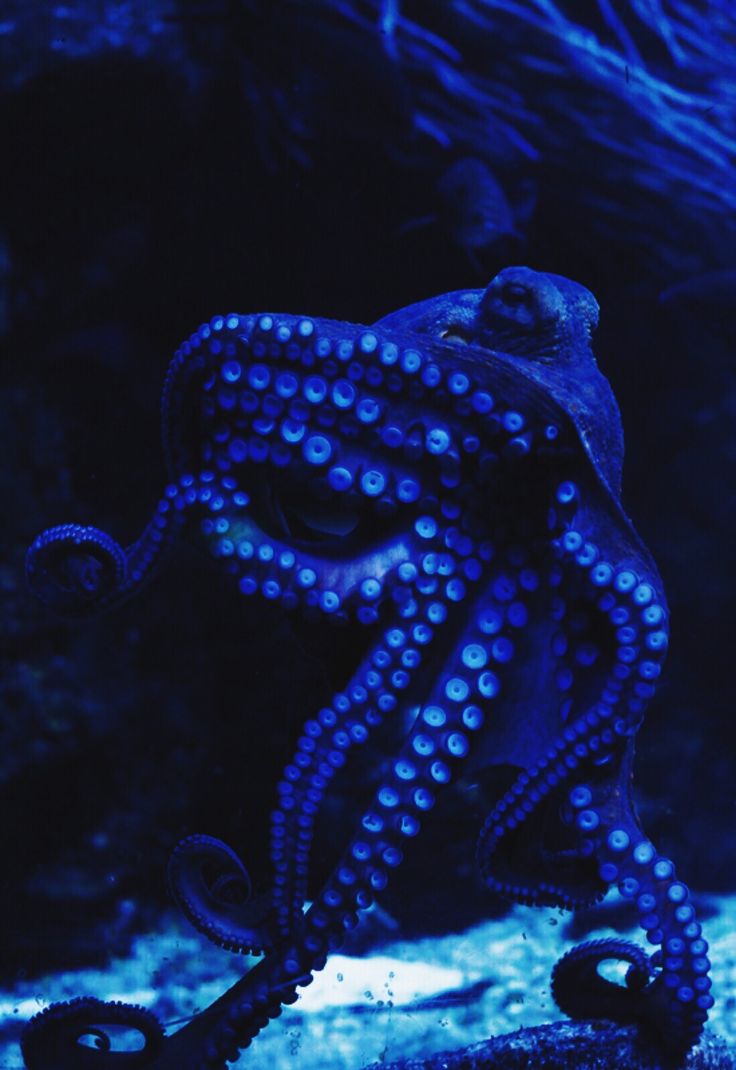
(166, 161)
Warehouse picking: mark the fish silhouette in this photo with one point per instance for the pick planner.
(471, 207)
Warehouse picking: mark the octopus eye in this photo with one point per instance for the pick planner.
(456, 335)
(515, 293)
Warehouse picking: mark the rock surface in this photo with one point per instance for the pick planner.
(567, 1046)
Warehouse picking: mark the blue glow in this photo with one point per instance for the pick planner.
(317, 449)
(482, 401)
(457, 689)
(458, 383)
(231, 371)
(474, 656)
(368, 411)
(367, 342)
(456, 744)
(488, 684)
(437, 440)
(405, 770)
(426, 527)
(411, 360)
(408, 490)
(439, 772)
(315, 389)
(373, 483)
(473, 718)
(287, 384)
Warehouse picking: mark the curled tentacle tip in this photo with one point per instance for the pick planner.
(213, 889)
(89, 1034)
(580, 990)
(75, 569)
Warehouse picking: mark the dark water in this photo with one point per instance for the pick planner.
(163, 162)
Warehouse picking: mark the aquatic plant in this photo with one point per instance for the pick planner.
(628, 106)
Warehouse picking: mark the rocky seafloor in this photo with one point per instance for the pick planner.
(398, 999)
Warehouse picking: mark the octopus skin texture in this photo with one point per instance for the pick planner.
(450, 478)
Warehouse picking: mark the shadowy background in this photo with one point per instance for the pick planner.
(162, 162)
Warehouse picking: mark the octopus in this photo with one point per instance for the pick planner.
(450, 479)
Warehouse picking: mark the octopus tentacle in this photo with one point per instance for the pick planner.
(213, 889)
(630, 643)
(374, 691)
(637, 617)
(460, 705)
(680, 996)
(482, 648)
(460, 702)
(263, 561)
(580, 991)
(76, 1034)
(75, 569)
(678, 999)
(78, 570)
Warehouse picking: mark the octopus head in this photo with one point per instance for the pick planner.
(538, 316)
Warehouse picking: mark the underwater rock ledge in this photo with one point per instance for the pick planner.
(595, 1045)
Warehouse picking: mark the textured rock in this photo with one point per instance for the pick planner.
(568, 1046)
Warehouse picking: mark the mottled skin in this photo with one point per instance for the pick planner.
(450, 477)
